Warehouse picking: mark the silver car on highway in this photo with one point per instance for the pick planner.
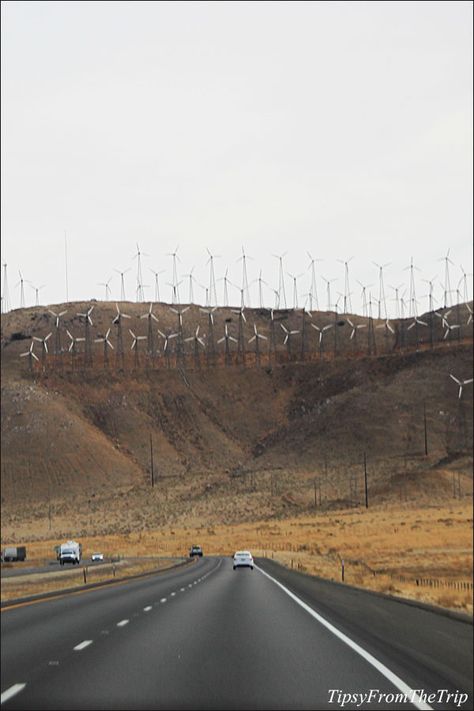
(243, 559)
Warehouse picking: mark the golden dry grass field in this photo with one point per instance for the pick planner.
(385, 548)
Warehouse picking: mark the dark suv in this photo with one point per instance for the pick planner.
(195, 550)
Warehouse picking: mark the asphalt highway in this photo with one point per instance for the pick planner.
(206, 637)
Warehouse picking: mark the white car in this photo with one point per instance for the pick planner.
(97, 556)
(243, 559)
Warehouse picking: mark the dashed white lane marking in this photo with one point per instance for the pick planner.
(190, 585)
(173, 594)
(122, 623)
(163, 599)
(12, 691)
(183, 589)
(147, 608)
(82, 645)
(416, 700)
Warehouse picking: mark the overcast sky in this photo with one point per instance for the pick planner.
(342, 129)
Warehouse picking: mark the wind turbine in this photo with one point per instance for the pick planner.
(117, 321)
(313, 291)
(37, 289)
(197, 342)
(364, 298)
(449, 328)
(5, 294)
(150, 316)
(227, 337)
(191, 279)
(321, 332)
(355, 328)
(447, 284)
(29, 353)
(107, 287)
(469, 318)
(166, 350)
(245, 284)
(106, 342)
(179, 342)
(396, 289)
(157, 285)
(382, 300)
(22, 290)
(87, 323)
(175, 283)
(211, 350)
(242, 319)
(57, 346)
(175, 292)
(287, 340)
(44, 347)
(122, 283)
(226, 290)
(461, 383)
(328, 290)
(295, 292)
(281, 280)
(212, 278)
(256, 338)
(138, 256)
(134, 346)
(347, 291)
(73, 346)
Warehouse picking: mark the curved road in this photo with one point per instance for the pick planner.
(206, 637)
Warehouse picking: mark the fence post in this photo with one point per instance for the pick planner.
(342, 570)
(84, 570)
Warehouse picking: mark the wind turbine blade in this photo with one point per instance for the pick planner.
(34, 356)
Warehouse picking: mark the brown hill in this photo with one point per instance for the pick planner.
(231, 440)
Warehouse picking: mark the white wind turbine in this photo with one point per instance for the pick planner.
(328, 290)
(382, 300)
(245, 284)
(198, 341)
(37, 289)
(347, 291)
(256, 338)
(157, 284)
(44, 346)
(166, 349)
(122, 282)
(150, 316)
(288, 335)
(321, 332)
(281, 281)
(461, 383)
(355, 328)
(365, 311)
(107, 343)
(211, 294)
(107, 287)
(138, 256)
(134, 346)
(87, 323)
(469, 318)
(22, 290)
(227, 337)
(295, 291)
(175, 284)
(447, 284)
(117, 321)
(73, 346)
(57, 348)
(313, 291)
(29, 353)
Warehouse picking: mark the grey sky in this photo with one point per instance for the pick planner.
(342, 129)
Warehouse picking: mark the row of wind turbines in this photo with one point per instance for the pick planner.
(373, 303)
(171, 344)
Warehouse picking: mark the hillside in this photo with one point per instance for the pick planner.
(236, 435)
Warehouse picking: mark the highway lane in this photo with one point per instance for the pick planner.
(207, 637)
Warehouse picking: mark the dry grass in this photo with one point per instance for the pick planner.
(21, 586)
(379, 546)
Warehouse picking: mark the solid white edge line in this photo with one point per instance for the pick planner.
(82, 645)
(12, 691)
(122, 623)
(385, 671)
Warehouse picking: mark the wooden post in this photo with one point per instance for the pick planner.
(365, 480)
(342, 570)
(151, 461)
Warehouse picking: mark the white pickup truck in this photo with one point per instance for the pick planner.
(70, 552)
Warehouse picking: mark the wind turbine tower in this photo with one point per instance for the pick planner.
(122, 283)
(119, 353)
(5, 295)
(313, 292)
(212, 294)
(382, 301)
(281, 281)
(347, 291)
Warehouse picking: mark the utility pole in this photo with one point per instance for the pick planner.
(365, 480)
(426, 430)
(151, 461)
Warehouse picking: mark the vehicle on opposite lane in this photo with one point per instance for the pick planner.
(97, 556)
(195, 550)
(243, 559)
